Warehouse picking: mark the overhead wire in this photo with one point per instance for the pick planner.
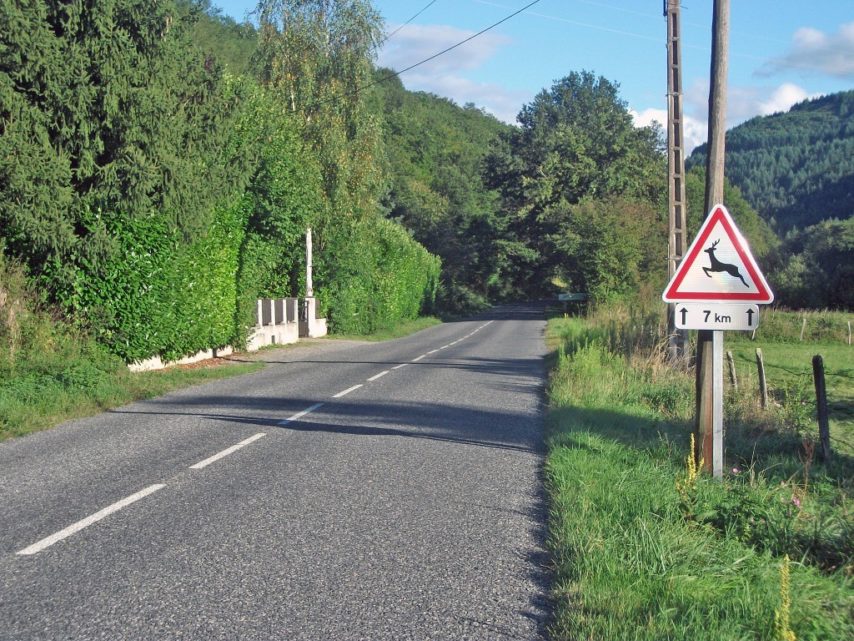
(429, 4)
(448, 49)
(595, 27)
(395, 74)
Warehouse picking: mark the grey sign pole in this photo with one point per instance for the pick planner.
(718, 404)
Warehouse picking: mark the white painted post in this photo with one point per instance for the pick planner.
(309, 286)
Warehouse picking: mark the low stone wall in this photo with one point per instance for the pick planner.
(310, 326)
(155, 362)
(275, 323)
(278, 321)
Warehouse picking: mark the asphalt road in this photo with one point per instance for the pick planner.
(292, 504)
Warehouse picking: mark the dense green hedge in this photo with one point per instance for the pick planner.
(160, 295)
(378, 276)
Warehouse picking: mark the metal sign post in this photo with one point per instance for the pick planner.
(718, 404)
(717, 287)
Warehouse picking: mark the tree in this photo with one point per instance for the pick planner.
(435, 151)
(815, 267)
(576, 141)
(316, 55)
(107, 111)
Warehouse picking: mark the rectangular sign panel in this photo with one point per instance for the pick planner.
(717, 316)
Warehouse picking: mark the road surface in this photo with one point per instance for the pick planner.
(349, 490)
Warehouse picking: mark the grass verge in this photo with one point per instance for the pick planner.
(645, 549)
(389, 333)
(64, 386)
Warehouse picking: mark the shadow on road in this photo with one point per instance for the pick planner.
(499, 429)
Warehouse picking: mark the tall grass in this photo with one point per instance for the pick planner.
(642, 553)
(51, 371)
(811, 326)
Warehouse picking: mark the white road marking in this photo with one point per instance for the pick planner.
(89, 520)
(445, 346)
(415, 360)
(299, 415)
(347, 391)
(401, 365)
(226, 451)
(380, 375)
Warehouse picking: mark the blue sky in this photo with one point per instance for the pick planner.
(781, 51)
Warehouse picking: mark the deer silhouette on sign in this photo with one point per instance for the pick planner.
(718, 266)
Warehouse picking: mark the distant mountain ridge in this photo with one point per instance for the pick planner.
(795, 168)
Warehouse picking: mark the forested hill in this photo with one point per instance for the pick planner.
(230, 42)
(435, 151)
(795, 168)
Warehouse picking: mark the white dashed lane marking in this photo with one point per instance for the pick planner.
(89, 520)
(227, 451)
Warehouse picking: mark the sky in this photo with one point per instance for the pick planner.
(780, 52)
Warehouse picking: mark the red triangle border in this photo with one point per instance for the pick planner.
(719, 215)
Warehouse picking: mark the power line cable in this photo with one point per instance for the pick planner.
(451, 48)
(395, 74)
(429, 4)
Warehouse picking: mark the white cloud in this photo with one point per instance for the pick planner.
(446, 75)
(418, 42)
(693, 130)
(813, 50)
(502, 103)
(744, 102)
(782, 99)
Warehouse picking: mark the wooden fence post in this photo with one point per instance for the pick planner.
(821, 406)
(763, 387)
(732, 376)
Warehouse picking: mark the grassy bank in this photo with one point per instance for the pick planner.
(644, 549)
(73, 378)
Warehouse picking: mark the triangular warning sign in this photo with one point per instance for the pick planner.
(718, 266)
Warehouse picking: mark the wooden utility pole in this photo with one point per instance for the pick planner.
(708, 416)
(676, 203)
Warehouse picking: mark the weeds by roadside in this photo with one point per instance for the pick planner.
(643, 549)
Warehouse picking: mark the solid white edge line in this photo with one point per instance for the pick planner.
(445, 346)
(226, 452)
(347, 391)
(401, 365)
(380, 375)
(89, 520)
(299, 415)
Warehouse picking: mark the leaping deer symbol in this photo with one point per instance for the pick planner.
(718, 266)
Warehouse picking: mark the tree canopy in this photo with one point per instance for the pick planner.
(160, 164)
(576, 155)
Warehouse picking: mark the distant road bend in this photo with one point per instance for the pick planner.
(348, 491)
